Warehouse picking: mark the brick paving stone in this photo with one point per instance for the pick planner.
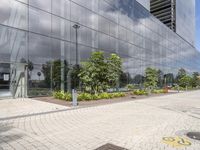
(134, 125)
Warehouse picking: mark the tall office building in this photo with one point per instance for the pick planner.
(185, 20)
(145, 3)
(38, 42)
(178, 15)
(165, 11)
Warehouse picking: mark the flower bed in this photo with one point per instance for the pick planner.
(86, 96)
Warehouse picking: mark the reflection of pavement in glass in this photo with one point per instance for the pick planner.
(5, 93)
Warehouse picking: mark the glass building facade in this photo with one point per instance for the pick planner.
(37, 36)
(185, 20)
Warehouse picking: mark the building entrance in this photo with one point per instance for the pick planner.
(13, 80)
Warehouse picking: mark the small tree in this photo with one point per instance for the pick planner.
(181, 74)
(195, 79)
(151, 78)
(114, 70)
(98, 74)
(185, 81)
(52, 72)
(93, 73)
(160, 78)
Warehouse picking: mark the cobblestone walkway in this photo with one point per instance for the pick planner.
(136, 125)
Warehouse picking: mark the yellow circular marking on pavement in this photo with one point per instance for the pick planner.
(176, 141)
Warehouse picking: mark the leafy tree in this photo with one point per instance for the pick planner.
(93, 73)
(151, 78)
(185, 81)
(114, 67)
(125, 79)
(98, 74)
(169, 79)
(139, 80)
(195, 79)
(52, 73)
(75, 79)
(160, 78)
(181, 74)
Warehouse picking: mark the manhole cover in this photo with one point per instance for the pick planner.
(194, 135)
(110, 147)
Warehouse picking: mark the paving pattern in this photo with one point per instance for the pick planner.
(134, 125)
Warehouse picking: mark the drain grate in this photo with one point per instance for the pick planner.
(194, 135)
(110, 147)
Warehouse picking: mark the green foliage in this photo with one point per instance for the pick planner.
(130, 87)
(111, 95)
(105, 96)
(181, 73)
(98, 74)
(75, 80)
(185, 81)
(62, 95)
(160, 78)
(160, 91)
(151, 78)
(114, 69)
(52, 73)
(195, 82)
(140, 92)
(178, 88)
(93, 73)
(87, 96)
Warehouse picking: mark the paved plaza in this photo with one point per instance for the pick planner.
(156, 123)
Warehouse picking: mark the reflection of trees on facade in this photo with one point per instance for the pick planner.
(53, 72)
(30, 68)
(151, 78)
(185, 81)
(139, 79)
(125, 78)
(99, 74)
(181, 74)
(160, 78)
(169, 79)
(195, 79)
(75, 79)
(39, 74)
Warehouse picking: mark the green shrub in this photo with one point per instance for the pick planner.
(178, 88)
(85, 96)
(68, 97)
(96, 97)
(140, 92)
(116, 95)
(158, 91)
(59, 95)
(62, 95)
(130, 86)
(105, 96)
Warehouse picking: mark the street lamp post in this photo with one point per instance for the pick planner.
(76, 27)
(74, 92)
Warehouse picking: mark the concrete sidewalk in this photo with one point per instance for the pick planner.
(135, 125)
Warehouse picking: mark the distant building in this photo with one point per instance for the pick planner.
(178, 15)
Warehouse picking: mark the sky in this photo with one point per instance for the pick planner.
(198, 24)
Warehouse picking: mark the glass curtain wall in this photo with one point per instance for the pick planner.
(41, 34)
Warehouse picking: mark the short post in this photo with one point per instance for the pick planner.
(74, 98)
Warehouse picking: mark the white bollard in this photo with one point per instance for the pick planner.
(74, 98)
